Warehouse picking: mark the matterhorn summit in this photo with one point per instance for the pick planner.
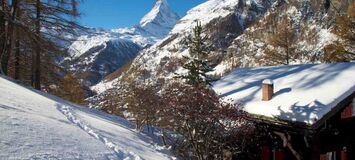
(160, 20)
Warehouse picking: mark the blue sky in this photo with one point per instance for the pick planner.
(110, 14)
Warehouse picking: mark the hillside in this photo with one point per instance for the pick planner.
(239, 34)
(35, 125)
(222, 20)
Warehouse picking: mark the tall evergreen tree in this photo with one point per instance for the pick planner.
(197, 63)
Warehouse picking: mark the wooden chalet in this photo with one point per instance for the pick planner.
(309, 110)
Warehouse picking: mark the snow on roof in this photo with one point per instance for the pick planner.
(267, 81)
(35, 125)
(303, 93)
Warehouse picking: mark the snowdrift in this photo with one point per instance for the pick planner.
(35, 125)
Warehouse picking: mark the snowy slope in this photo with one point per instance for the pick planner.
(35, 125)
(205, 13)
(303, 93)
(101, 52)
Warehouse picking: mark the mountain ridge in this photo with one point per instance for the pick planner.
(93, 56)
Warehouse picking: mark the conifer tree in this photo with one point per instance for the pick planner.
(197, 63)
(194, 111)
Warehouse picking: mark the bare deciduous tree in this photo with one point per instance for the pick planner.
(282, 40)
(43, 26)
(207, 126)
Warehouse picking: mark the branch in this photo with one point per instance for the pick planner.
(287, 143)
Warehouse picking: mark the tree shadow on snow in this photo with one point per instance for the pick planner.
(302, 113)
(248, 78)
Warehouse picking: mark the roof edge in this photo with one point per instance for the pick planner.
(334, 111)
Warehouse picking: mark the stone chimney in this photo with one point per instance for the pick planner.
(268, 89)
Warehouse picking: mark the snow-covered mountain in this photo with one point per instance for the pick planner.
(101, 52)
(36, 125)
(224, 20)
(160, 20)
(237, 31)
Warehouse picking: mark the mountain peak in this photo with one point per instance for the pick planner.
(160, 20)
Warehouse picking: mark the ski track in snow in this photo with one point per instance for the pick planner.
(121, 153)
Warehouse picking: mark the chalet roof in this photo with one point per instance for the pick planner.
(303, 93)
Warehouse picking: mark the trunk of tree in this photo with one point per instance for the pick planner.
(5, 56)
(17, 48)
(17, 55)
(195, 147)
(37, 57)
(287, 143)
(163, 137)
(9, 33)
(2, 29)
(286, 34)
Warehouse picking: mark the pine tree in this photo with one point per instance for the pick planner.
(194, 111)
(197, 63)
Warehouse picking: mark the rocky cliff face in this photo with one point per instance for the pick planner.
(103, 59)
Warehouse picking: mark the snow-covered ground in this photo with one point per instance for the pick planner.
(35, 125)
